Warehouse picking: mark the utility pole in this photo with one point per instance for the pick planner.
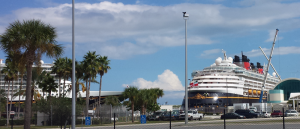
(186, 17)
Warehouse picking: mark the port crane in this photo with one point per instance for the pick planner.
(267, 70)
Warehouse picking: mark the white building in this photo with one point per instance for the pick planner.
(46, 67)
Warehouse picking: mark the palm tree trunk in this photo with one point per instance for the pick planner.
(89, 94)
(132, 109)
(100, 93)
(7, 122)
(143, 109)
(19, 98)
(27, 117)
(86, 99)
(64, 86)
(8, 99)
(19, 108)
(12, 94)
(59, 79)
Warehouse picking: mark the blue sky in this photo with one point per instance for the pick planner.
(144, 39)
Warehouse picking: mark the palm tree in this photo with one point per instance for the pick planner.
(90, 64)
(58, 69)
(21, 69)
(11, 72)
(146, 97)
(48, 85)
(67, 71)
(112, 100)
(3, 100)
(19, 93)
(132, 94)
(4, 71)
(78, 77)
(102, 69)
(31, 39)
(157, 93)
(11, 66)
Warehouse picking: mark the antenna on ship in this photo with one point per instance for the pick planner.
(225, 57)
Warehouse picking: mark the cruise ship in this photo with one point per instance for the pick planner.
(229, 81)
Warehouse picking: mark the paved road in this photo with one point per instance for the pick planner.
(260, 123)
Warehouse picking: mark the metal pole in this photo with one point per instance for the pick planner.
(224, 119)
(114, 120)
(170, 119)
(283, 117)
(51, 115)
(227, 94)
(7, 120)
(12, 123)
(73, 68)
(186, 81)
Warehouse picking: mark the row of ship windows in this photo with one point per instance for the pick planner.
(220, 79)
(15, 87)
(218, 83)
(232, 87)
(259, 76)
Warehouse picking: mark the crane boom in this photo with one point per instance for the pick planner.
(270, 63)
(267, 70)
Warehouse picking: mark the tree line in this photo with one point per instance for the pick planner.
(142, 99)
(26, 42)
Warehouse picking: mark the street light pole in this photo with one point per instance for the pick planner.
(186, 17)
(73, 68)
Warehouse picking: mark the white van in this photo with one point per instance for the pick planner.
(253, 109)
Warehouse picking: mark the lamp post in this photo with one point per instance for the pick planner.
(186, 17)
(73, 68)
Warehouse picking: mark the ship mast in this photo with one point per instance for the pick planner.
(225, 57)
(267, 70)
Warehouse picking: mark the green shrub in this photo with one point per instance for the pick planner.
(16, 122)
(208, 113)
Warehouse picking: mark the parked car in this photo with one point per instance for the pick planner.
(166, 115)
(260, 114)
(232, 116)
(12, 113)
(266, 114)
(155, 116)
(253, 109)
(112, 119)
(192, 114)
(276, 113)
(291, 113)
(247, 113)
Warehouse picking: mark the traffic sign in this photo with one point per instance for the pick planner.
(88, 120)
(143, 119)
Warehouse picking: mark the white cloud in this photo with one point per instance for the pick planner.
(276, 51)
(168, 81)
(209, 53)
(272, 36)
(174, 95)
(144, 29)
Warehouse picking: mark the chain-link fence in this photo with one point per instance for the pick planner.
(109, 117)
